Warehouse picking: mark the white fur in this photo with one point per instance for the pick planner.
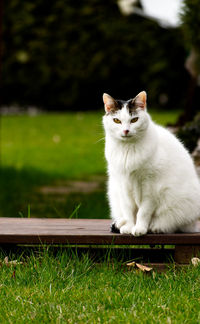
(153, 185)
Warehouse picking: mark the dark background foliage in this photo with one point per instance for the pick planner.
(65, 54)
(191, 23)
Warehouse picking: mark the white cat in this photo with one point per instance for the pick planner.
(153, 185)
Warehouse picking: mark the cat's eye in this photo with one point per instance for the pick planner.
(133, 120)
(117, 121)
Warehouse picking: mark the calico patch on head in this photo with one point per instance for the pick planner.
(138, 102)
(112, 105)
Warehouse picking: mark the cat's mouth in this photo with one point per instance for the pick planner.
(126, 136)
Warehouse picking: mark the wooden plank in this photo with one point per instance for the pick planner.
(80, 231)
(184, 253)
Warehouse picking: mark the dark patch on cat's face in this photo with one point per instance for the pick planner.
(119, 104)
(130, 104)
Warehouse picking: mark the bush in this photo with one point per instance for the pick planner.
(190, 133)
(65, 54)
(191, 23)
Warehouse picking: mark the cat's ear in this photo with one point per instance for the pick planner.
(109, 103)
(140, 100)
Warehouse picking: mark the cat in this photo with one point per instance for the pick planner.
(152, 183)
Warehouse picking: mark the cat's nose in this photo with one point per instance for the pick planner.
(126, 131)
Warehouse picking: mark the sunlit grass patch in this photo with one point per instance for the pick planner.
(60, 288)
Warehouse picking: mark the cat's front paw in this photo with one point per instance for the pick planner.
(114, 228)
(120, 223)
(155, 228)
(126, 229)
(139, 230)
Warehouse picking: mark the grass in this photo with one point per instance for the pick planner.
(64, 289)
(66, 146)
(50, 150)
(58, 145)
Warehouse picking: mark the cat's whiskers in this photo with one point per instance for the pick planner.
(101, 139)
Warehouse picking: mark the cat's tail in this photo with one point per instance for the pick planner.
(191, 228)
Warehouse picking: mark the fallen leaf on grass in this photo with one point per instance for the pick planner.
(9, 263)
(131, 264)
(195, 261)
(141, 267)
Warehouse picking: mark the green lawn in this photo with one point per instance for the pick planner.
(50, 150)
(65, 289)
(57, 145)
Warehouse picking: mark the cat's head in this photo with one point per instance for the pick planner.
(125, 120)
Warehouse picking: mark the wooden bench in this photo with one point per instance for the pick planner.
(87, 233)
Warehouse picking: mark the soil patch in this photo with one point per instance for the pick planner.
(72, 187)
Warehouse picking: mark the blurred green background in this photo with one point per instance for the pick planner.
(58, 58)
(65, 54)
